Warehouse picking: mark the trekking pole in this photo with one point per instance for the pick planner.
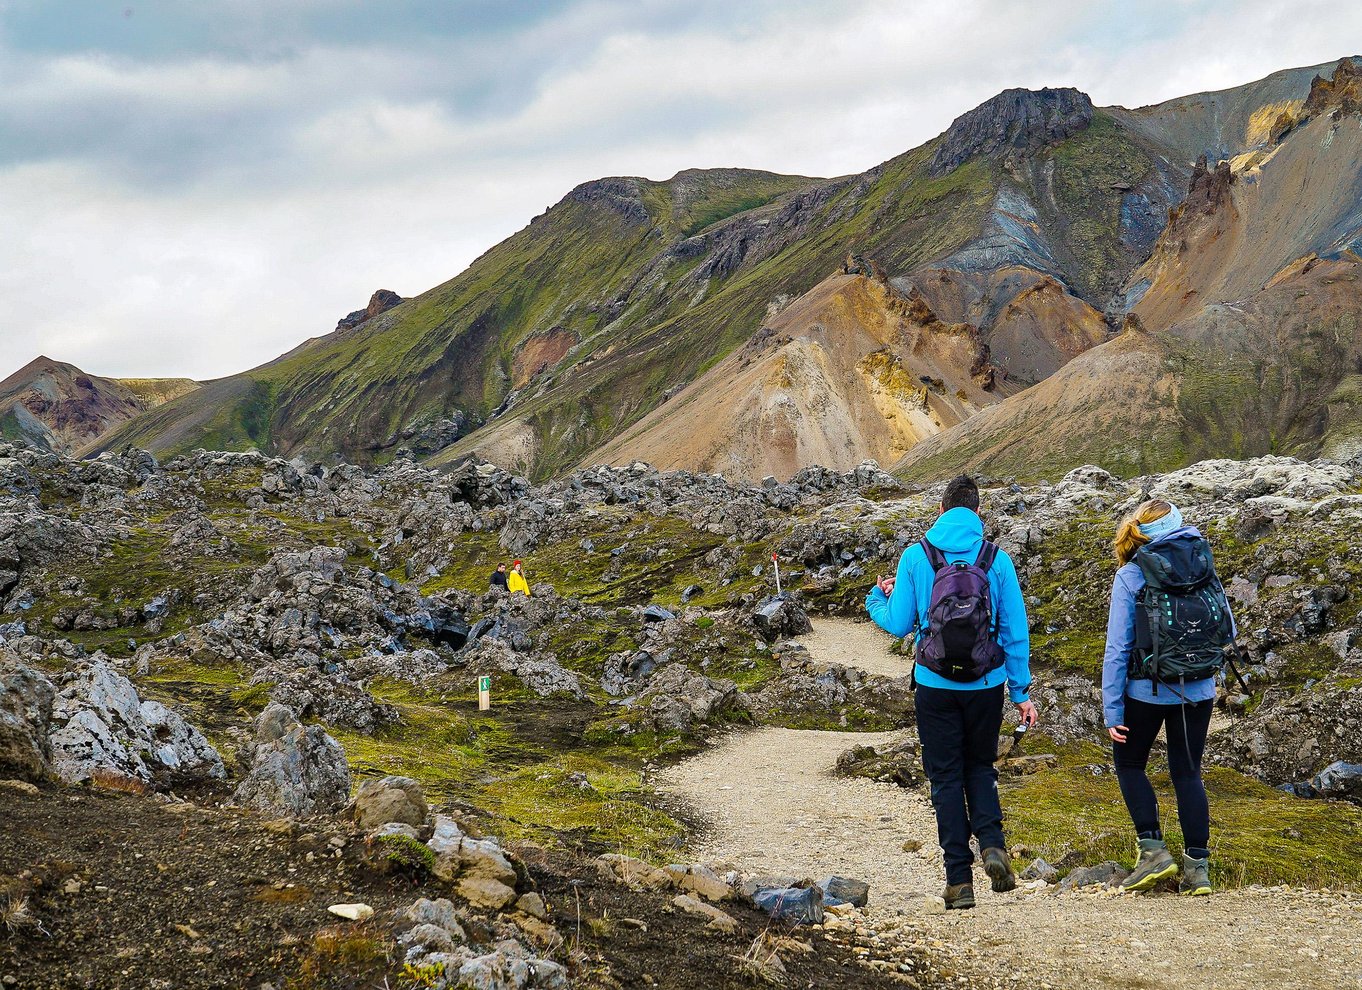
(1235, 667)
(776, 561)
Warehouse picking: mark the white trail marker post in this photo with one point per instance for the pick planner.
(484, 692)
(776, 561)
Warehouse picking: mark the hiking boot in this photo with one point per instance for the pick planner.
(999, 870)
(1155, 863)
(1196, 877)
(958, 896)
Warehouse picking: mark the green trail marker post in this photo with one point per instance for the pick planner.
(484, 692)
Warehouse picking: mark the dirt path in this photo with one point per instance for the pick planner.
(863, 645)
(774, 806)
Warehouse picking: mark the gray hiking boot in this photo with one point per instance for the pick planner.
(958, 895)
(999, 870)
(1196, 877)
(1155, 863)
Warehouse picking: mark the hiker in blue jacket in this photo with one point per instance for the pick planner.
(958, 720)
(1135, 707)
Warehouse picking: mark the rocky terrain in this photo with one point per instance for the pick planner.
(217, 645)
(1023, 238)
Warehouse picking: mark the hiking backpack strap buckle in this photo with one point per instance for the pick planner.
(934, 556)
(988, 553)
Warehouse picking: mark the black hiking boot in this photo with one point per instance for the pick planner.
(1155, 863)
(999, 870)
(958, 896)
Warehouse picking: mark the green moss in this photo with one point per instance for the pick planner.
(1259, 835)
(612, 813)
(405, 854)
(1090, 169)
(253, 699)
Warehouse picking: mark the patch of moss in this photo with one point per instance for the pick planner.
(405, 854)
(611, 813)
(1259, 835)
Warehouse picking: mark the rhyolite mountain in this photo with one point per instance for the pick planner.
(716, 320)
(56, 407)
(1244, 326)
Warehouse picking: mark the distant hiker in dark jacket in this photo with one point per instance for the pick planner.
(960, 668)
(1140, 696)
(498, 578)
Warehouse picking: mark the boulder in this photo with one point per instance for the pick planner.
(485, 893)
(699, 880)
(656, 613)
(390, 799)
(480, 869)
(800, 905)
(780, 618)
(1038, 869)
(295, 770)
(678, 697)
(897, 761)
(440, 913)
(1339, 779)
(100, 726)
(431, 938)
(719, 921)
(845, 890)
(1108, 874)
(26, 698)
(510, 967)
(633, 872)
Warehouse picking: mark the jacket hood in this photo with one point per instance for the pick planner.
(1178, 533)
(1176, 560)
(959, 530)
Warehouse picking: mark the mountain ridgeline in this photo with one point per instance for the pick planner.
(1047, 283)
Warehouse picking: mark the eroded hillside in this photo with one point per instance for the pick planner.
(1024, 220)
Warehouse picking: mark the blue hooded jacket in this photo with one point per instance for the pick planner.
(1116, 685)
(959, 534)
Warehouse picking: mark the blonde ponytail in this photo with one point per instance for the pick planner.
(1128, 536)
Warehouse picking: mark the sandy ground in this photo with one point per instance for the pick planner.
(863, 645)
(773, 806)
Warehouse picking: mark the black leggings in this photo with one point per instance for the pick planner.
(1186, 725)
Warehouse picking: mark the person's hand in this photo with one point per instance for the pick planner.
(885, 584)
(1117, 733)
(1027, 711)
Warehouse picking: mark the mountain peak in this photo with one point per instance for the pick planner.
(1019, 119)
(1342, 92)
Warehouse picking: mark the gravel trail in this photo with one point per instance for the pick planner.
(773, 806)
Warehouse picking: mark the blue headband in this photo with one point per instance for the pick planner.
(1163, 525)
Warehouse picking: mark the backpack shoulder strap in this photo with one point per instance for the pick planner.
(988, 553)
(934, 556)
(1153, 568)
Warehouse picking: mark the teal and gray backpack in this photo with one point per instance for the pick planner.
(1183, 628)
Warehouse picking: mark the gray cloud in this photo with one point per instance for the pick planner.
(194, 188)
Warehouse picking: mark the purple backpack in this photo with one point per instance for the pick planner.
(959, 643)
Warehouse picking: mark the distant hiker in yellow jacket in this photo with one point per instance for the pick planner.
(515, 581)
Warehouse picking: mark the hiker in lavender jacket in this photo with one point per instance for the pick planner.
(958, 721)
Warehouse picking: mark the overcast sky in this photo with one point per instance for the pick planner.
(190, 187)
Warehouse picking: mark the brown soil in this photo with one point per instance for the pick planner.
(171, 898)
(176, 896)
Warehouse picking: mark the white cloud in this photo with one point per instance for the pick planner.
(198, 211)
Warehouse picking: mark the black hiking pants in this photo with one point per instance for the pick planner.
(1186, 727)
(959, 733)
